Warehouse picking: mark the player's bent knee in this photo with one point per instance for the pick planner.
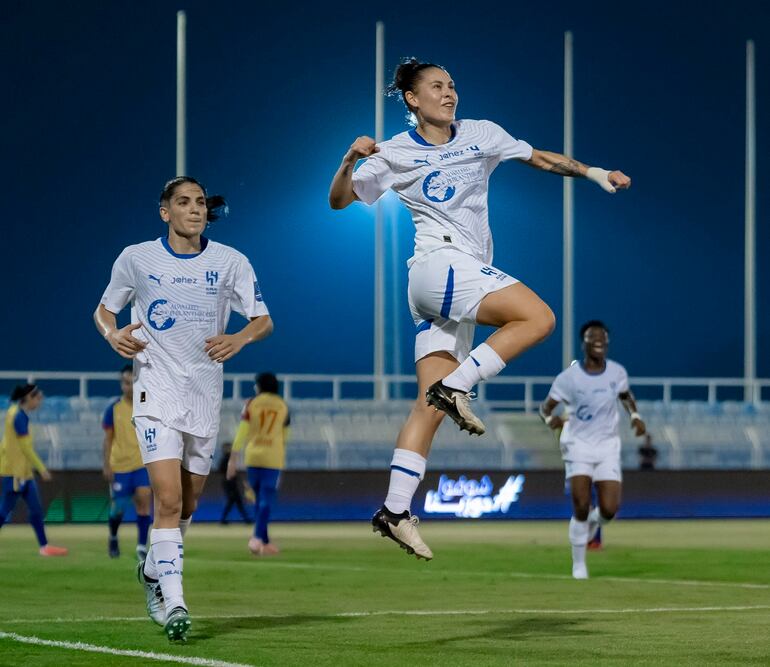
(544, 322)
(581, 512)
(168, 504)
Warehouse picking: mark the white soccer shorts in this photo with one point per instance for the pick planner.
(446, 287)
(158, 442)
(607, 470)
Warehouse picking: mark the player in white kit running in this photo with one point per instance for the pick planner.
(590, 445)
(182, 288)
(440, 170)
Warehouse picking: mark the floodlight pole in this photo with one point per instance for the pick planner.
(181, 101)
(568, 218)
(379, 240)
(749, 293)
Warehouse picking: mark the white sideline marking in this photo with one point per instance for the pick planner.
(517, 575)
(91, 648)
(408, 612)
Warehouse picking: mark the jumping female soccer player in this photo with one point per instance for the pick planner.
(589, 439)
(181, 288)
(440, 170)
(17, 462)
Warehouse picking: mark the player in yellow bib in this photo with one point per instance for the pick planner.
(18, 461)
(123, 467)
(263, 432)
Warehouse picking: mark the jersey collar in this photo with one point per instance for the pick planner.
(420, 140)
(164, 241)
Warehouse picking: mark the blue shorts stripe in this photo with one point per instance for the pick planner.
(405, 470)
(448, 293)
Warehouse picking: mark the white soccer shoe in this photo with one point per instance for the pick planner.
(579, 571)
(402, 529)
(156, 607)
(457, 405)
(593, 527)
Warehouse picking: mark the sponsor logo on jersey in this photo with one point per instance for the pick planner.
(183, 280)
(212, 277)
(436, 187)
(257, 291)
(425, 161)
(155, 278)
(159, 315)
(583, 413)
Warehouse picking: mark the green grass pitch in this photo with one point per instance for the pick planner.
(496, 593)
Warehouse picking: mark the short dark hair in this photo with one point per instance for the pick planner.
(21, 391)
(406, 76)
(267, 382)
(216, 206)
(593, 323)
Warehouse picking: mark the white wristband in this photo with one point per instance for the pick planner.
(601, 177)
(635, 416)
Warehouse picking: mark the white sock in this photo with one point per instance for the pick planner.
(595, 516)
(169, 559)
(150, 568)
(482, 363)
(406, 471)
(578, 537)
(184, 524)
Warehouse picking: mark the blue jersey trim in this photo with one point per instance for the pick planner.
(448, 293)
(587, 372)
(170, 250)
(423, 326)
(21, 423)
(417, 138)
(108, 421)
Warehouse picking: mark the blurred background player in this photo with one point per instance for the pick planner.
(231, 487)
(589, 439)
(18, 461)
(452, 283)
(182, 288)
(123, 468)
(263, 432)
(648, 454)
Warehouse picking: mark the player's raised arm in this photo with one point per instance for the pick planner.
(120, 340)
(341, 192)
(559, 164)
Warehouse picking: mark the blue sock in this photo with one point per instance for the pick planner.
(37, 523)
(143, 522)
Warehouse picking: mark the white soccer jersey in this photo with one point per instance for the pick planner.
(591, 434)
(444, 187)
(181, 300)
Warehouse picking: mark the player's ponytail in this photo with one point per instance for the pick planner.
(407, 75)
(216, 205)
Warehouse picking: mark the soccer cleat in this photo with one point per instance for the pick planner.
(141, 551)
(579, 571)
(593, 528)
(50, 550)
(112, 547)
(255, 546)
(594, 545)
(269, 549)
(402, 529)
(177, 625)
(156, 606)
(456, 404)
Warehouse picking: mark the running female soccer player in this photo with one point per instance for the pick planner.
(181, 288)
(440, 170)
(123, 469)
(17, 462)
(589, 440)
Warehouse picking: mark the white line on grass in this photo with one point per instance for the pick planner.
(515, 575)
(407, 612)
(92, 648)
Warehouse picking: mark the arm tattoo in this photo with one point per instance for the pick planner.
(568, 168)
